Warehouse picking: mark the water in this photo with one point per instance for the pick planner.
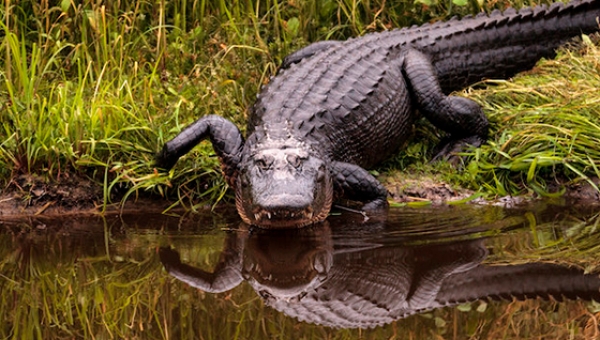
(206, 276)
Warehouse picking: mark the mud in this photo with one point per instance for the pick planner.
(29, 195)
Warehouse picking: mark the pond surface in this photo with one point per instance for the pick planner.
(454, 272)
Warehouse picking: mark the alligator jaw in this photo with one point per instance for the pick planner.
(284, 218)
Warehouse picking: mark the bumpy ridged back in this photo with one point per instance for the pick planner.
(503, 43)
(383, 296)
(346, 97)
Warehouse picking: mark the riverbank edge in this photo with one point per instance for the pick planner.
(30, 196)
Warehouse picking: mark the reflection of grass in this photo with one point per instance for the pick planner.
(93, 90)
(100, 286)
(573, 240)
(65, 289)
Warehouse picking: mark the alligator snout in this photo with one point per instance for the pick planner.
(289, 202)
(283, 187)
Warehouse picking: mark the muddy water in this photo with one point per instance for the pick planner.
(418, 273)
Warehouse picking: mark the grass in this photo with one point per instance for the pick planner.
(546, 124)
(545, 131)
(93, 90)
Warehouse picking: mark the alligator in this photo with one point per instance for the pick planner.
(322, 277)
(337, 108)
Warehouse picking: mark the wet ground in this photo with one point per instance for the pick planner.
(438, 272)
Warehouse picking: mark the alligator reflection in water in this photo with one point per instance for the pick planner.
(348, 282)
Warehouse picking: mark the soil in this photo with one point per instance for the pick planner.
(405, 189)
(29, 195)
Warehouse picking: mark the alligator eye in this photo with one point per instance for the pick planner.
(261, 164)
(264, 163)
(294, 161)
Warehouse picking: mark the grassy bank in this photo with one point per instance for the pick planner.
(92, 90)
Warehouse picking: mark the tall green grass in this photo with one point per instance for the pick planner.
(93, 89)
(547, 127)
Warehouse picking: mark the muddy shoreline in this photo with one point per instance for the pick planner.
(30, 196)
(27, 196)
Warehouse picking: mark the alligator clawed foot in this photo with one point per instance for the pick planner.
(165, 159)
(168, 256)
(376, 205)
(450, 149)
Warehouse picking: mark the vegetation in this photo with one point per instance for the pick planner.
(92, 89)
(546, 126)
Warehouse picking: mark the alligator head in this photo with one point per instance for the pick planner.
(285, 265)
(283, 183)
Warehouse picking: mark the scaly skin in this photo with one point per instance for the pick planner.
(366, 285)
(337, 108)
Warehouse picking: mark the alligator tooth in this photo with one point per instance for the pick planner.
(292, 215)
(269, 215)
(309, 214)
(257, 216)
(249, 267)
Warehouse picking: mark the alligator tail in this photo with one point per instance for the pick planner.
(543, 280)
(504, 43)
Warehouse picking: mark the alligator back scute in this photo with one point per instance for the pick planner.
(349, 95)
(537, 31)
(346, 101)
(352, 296)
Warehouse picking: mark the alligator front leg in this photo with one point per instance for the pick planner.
(225, 137)
(462, 118)
(226, 275)
(357, 184)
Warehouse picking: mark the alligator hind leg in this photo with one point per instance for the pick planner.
(462, 118)
(357, 184)
(226, 139)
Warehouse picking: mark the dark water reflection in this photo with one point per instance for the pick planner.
(106, 278)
